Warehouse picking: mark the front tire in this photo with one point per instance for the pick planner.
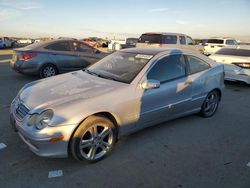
(210, 105)
(94, 139)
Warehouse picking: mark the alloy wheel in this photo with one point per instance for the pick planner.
(48, 71)
(96, 142)
(211, 103)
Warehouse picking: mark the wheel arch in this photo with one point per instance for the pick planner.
(112, 117)
(219, 91)
(46, 64)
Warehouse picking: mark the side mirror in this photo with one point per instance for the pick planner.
(150, 84)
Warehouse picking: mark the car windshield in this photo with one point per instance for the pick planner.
(120, 66)
(215, 41)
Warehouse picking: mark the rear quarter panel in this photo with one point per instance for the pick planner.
(214, 78)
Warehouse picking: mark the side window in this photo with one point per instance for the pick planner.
(169, 39)
(182, 39)
(229, 42)
(196, 64)
(59, 46)
(190, 41)
(168, 68)
(80, 47)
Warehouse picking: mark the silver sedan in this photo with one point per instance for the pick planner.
(85, 112)
(49, 58)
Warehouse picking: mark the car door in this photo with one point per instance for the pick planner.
(62, 55)
(197, 69)
(86, 55)
(173, 96)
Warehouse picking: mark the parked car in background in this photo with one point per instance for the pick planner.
(95, 42)
(89, 42)
(83, 113)
(130, 43)
(115, 44)
(201, 42)
(236, 63)
(25, 41)
(166, 40)
(214, 44)
(5, 42)
(54, 57)
(42, 39)
(37, 40)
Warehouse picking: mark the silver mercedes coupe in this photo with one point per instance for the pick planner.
(84, 113)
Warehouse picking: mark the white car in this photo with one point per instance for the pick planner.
(167, 40)
(25, 41)
(214, 44)
(236, 63)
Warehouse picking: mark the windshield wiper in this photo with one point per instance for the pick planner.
(102, 76)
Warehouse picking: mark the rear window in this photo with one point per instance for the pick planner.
(158, 39)
(154, 38)
(215, 41)
(234, 52)
(196, 64)
(59, 46)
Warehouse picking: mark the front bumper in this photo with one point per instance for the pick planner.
(39, 141)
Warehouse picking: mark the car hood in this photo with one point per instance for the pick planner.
(77, 85)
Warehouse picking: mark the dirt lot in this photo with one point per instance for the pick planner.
(189, 152)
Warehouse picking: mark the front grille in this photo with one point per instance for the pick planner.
(21, 111)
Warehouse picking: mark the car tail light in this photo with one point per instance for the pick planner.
(25, 57)
(245, 65)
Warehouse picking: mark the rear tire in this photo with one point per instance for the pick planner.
(48, 71)
(210, 105)
(94, 139)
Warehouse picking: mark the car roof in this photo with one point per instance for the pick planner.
(162, 33)
(153, 51)
(42, 44)
(221, 38)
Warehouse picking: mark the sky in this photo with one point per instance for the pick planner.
(124, 18)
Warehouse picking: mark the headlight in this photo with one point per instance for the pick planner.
(40, 121)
